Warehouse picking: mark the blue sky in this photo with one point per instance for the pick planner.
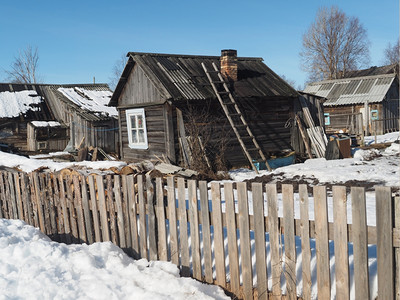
(78, 40)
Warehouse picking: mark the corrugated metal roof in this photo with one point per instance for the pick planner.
(349, 91)
(183, 77)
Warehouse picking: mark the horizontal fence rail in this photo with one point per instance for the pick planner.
(221, 234)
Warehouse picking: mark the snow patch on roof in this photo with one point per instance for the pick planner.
(13, 104)
(45, 123)
(91, 100)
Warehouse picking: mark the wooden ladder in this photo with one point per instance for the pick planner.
(235, 117)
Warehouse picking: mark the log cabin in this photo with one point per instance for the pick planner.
(165, 101)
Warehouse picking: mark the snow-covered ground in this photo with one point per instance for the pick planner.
(34, 267)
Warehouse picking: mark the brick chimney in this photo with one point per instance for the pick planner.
(229, 64)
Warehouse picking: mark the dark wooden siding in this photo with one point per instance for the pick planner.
(156, 135)
(139, 89)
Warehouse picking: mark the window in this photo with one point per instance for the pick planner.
(327, 119)
(137, 134)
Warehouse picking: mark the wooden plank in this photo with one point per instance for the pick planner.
(205, 225)
(290, 246)
(219, 250)
(57, 203)
(183, 227)
(273, 225)
(322, 242)
(13, 198)
(305, 242)
(38, 202)
(111, 209)
(26, 199)
(125, 208)
(50, 204)
(360, 242)
(133, 216)
(120, 212)
(151, 218)
(142, 218)
(71, 209)
(79, 209)
(161, 228)
(259, 237)
(64, 207)
(397, 250)
(244, 229)
(8, 196)
(341, 248)
(44, 199)
(18, 193)
(194, 229)
(105, 231)
(4, 208)
(384, 245)
(86, 210)
(94, 208)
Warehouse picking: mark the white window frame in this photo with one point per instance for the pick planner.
(129, 114)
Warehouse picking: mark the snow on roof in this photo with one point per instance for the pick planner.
(92, 100)
(45, 123)
(13, 104)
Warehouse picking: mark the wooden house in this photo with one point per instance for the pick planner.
(163, 99)
(365, 101)
(47, 117)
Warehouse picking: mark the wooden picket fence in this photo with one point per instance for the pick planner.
(182, 221)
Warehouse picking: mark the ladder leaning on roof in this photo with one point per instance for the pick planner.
(235, 117)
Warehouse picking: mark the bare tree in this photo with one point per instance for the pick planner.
(333, 45)
(392, 54)
(117, 71)
(24, 67)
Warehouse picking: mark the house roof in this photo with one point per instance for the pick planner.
(372, 71)
(181, 77)
(354, 90)
(89, 100)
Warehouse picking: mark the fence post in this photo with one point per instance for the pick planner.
(384, 245)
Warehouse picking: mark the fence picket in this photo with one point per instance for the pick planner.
(151, 218)
(273, 225)
(360, 242)
(64, 207)
(12, 195)
(183, 227)
(44, 200)
(142, 218)
(397, 250)
(340, 238)
(322, 242)
(219, 251)
(105, 231)
(194, 229)
(133, 215)
(120, 212)
(51, 205)
(232, 238)
(259, 237)
(18, 196)
(71, 209)
(245, 252)
(86, 211)
(125, 208)
(205, 228)
(290, 247)
(26, 199)
(3, 198)
(38, 202)
(79, 209)
(57, 203)
(94, 208)
(173, 233)
(111, 209)
(384, 245)
(305, 242)
(160, 213)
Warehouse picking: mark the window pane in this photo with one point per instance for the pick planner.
(141, 136)
(133, 121)
(139, 121)
(134, 137)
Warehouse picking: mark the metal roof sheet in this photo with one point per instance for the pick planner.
(349, 91)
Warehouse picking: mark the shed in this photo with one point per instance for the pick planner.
(162, 99)
(80, 109)
(365, 100)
